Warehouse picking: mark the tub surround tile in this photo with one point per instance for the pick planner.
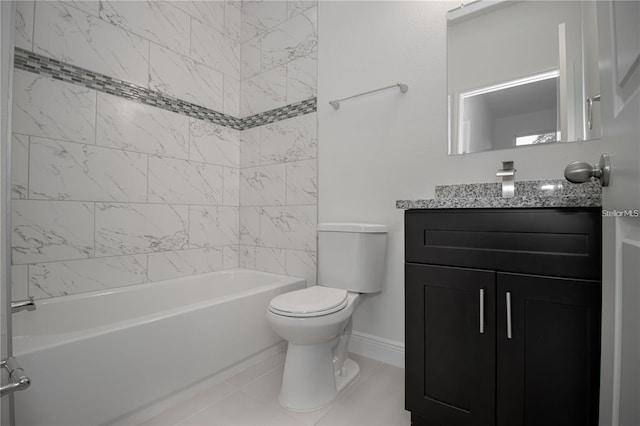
(71, 171)
(140, 228)
(211, 47)
(59, 71)
(19, 166)
(231, 186)
(159, 22)
(258, 17)
(296, 7)
(302, 264)
(247, 257)
(44, 231)
(251, 58)
(48, 108)
(81, 276)
(264, 185)
(210, 13)
(289, 140)
(74, 37)
(91, 7)
(44, 66)
(295, 38)
(302, 79)
(183, 78)
(214, 144)
(289, 227)
(302, 182)
(250, 226)
(271, 260)
(213, 226)
(130, 125)
(24, 24)
(175, 264)
(233, 19)
(230, 257)
(264, 92)
(184, 182)
(231, 96)
(250, 147)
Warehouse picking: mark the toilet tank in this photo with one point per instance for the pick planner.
(351, 256)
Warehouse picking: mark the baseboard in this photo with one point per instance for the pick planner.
(378, 348)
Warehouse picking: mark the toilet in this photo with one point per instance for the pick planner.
(316, 321)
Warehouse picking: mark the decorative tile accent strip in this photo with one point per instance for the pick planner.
(288, 111)
(39, 64)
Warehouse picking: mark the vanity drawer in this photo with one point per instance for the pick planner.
(547, 241)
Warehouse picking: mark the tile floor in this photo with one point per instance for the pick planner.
(251, 398)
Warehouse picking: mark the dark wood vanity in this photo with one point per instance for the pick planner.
(502, 316)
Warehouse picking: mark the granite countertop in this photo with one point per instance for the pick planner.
(535, 193)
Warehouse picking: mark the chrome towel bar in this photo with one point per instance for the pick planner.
(336, 103)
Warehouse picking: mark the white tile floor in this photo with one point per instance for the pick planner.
(251, 398)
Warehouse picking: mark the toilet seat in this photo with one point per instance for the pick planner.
(309, 302)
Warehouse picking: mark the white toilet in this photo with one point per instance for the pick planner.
(316, 321)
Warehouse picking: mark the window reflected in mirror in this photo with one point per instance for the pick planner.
(519, 74)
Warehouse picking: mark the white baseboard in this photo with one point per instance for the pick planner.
(378, 348)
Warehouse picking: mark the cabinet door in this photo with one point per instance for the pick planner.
(450, 348)
(549, 361)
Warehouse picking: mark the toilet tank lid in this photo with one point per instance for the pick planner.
(353, 227)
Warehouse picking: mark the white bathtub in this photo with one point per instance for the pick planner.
(98, 357)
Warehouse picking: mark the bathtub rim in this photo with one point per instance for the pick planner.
(26, 344)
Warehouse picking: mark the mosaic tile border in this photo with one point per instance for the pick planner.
(42, 65)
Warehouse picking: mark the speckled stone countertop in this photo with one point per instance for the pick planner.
(534, 193)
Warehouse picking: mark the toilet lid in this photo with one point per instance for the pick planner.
(309, 302)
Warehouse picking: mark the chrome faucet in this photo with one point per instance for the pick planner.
(508, 175)
(21, 305)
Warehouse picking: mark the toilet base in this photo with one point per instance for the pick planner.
(309, 381)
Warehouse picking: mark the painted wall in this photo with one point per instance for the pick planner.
(387, 146)
(109, 192)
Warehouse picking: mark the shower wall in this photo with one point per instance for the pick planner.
(278, 174)
(153, 140)
(108, 191)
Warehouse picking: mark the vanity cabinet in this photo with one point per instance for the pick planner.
(503, 316)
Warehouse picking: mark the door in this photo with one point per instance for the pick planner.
(450, 338)
(548, 358)
(619, 50)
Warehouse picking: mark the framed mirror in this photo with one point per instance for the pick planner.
(521, 73)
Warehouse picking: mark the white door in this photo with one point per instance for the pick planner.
(619, 46)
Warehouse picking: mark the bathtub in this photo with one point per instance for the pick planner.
(98, 357)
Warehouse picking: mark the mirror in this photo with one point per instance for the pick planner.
(522, 73)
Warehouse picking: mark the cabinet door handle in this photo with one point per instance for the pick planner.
(481, 311)
(509, 315)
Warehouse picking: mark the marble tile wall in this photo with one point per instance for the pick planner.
(110, 192)
(279, 54)
(278, 160)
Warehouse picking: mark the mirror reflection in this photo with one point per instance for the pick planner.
(522, 73)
